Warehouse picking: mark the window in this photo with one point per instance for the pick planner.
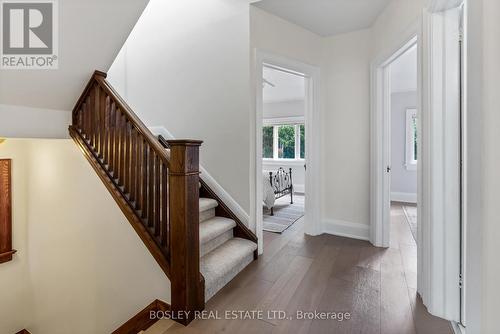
(411, 139)
(283, 141)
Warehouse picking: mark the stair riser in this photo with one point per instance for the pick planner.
(207, 214)
(216, 242)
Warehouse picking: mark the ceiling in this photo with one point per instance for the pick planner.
(404, 72)
(91, 33)
(287, 86)
(326, 17)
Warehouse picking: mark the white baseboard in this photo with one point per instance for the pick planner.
(404, 197)
(346, 229)
(211, 182)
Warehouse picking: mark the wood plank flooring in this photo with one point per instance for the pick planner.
(331, 274)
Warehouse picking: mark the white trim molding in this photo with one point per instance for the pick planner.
(439, 254)
(313, 116)
(284, 120)
(347, 229)
(403, 197)
(211, 182)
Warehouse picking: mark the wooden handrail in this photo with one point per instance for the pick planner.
(157, 192)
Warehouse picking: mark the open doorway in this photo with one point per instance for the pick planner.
(284, 141)
(283, 148)
(404, 149)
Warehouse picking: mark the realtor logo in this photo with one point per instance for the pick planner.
(29, 34)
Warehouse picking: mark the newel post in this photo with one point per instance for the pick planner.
(187, 283)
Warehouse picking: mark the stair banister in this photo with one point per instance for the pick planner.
(158, 192)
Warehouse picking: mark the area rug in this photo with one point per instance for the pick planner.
(411, 218)
(285, 214)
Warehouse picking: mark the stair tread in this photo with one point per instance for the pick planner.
(224, 258)
(207, 204)
(214, 227)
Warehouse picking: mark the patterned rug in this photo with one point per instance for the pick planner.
(411, 218)
(285, 214)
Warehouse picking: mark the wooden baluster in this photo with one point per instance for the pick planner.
(145, 174)
(164, 204)
(157, 196)
(91, 118)
(151, 187)
(137, 167)
(126, 158)
(112, 136)
(79, 120)
(84, 119)
(118, 144)
(133, 164)
(98, 120)
(140, 173)
(102, 108)
(186, 281)
(106, 129)
(123, 134)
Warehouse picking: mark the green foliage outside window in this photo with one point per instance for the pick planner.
(302, 141)
(286, 142)
(267, 142)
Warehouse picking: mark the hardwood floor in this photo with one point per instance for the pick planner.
(327, 274)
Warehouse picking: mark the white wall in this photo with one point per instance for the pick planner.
(16, 308)
(273, 34)
(403, 181)
(346, 127)
(89, 272)
(187, 69)
(398, 17)
(27, 122)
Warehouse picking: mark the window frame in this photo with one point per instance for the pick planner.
(276, 123)
(410, 162)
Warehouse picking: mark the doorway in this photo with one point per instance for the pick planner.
(285, 141)
(283, 147)
(404, 145)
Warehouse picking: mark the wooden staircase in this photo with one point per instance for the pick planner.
(156, 184)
